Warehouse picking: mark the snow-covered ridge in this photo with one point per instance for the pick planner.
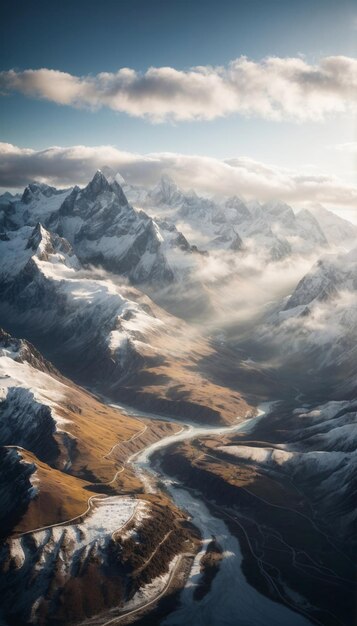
(105, 229)
(106, 516)
(317, 225)
(32, 398)
(54, 261)
(268, 456)
(155, 243)
(87, 317)
(217, 223)
(44, 389)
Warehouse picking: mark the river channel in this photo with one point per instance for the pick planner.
(231, 601)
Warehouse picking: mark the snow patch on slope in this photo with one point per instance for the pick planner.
(44, 389)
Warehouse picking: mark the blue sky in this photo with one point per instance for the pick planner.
(84, 38)
(91, 36)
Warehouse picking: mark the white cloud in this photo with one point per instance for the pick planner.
(273, 88)
(349, 147)
(243, 176)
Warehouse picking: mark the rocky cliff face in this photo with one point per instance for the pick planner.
(16, 488)
(28, 423)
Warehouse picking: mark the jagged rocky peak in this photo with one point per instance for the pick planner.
(35, 189)
(38, 235)
(105, 229)
(100, 202)
(100, 184)
(45, 243)
(176, 239)
(7, 198)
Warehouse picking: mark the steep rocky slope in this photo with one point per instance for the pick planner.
(104, 229)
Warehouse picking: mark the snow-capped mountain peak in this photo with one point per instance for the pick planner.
(37, 203)
(98, 183)
(35, 190)
(39, 235)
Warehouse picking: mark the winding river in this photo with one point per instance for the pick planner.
(231, 601)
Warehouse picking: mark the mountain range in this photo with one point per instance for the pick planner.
(192, 310)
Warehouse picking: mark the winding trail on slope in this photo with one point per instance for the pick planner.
(92, 498)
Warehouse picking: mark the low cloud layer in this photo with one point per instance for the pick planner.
(242, 176)
(273, 88)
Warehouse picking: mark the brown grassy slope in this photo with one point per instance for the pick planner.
(85, 438)
(102, 438)
(174, 378)
(96, 431)
(60, 496)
